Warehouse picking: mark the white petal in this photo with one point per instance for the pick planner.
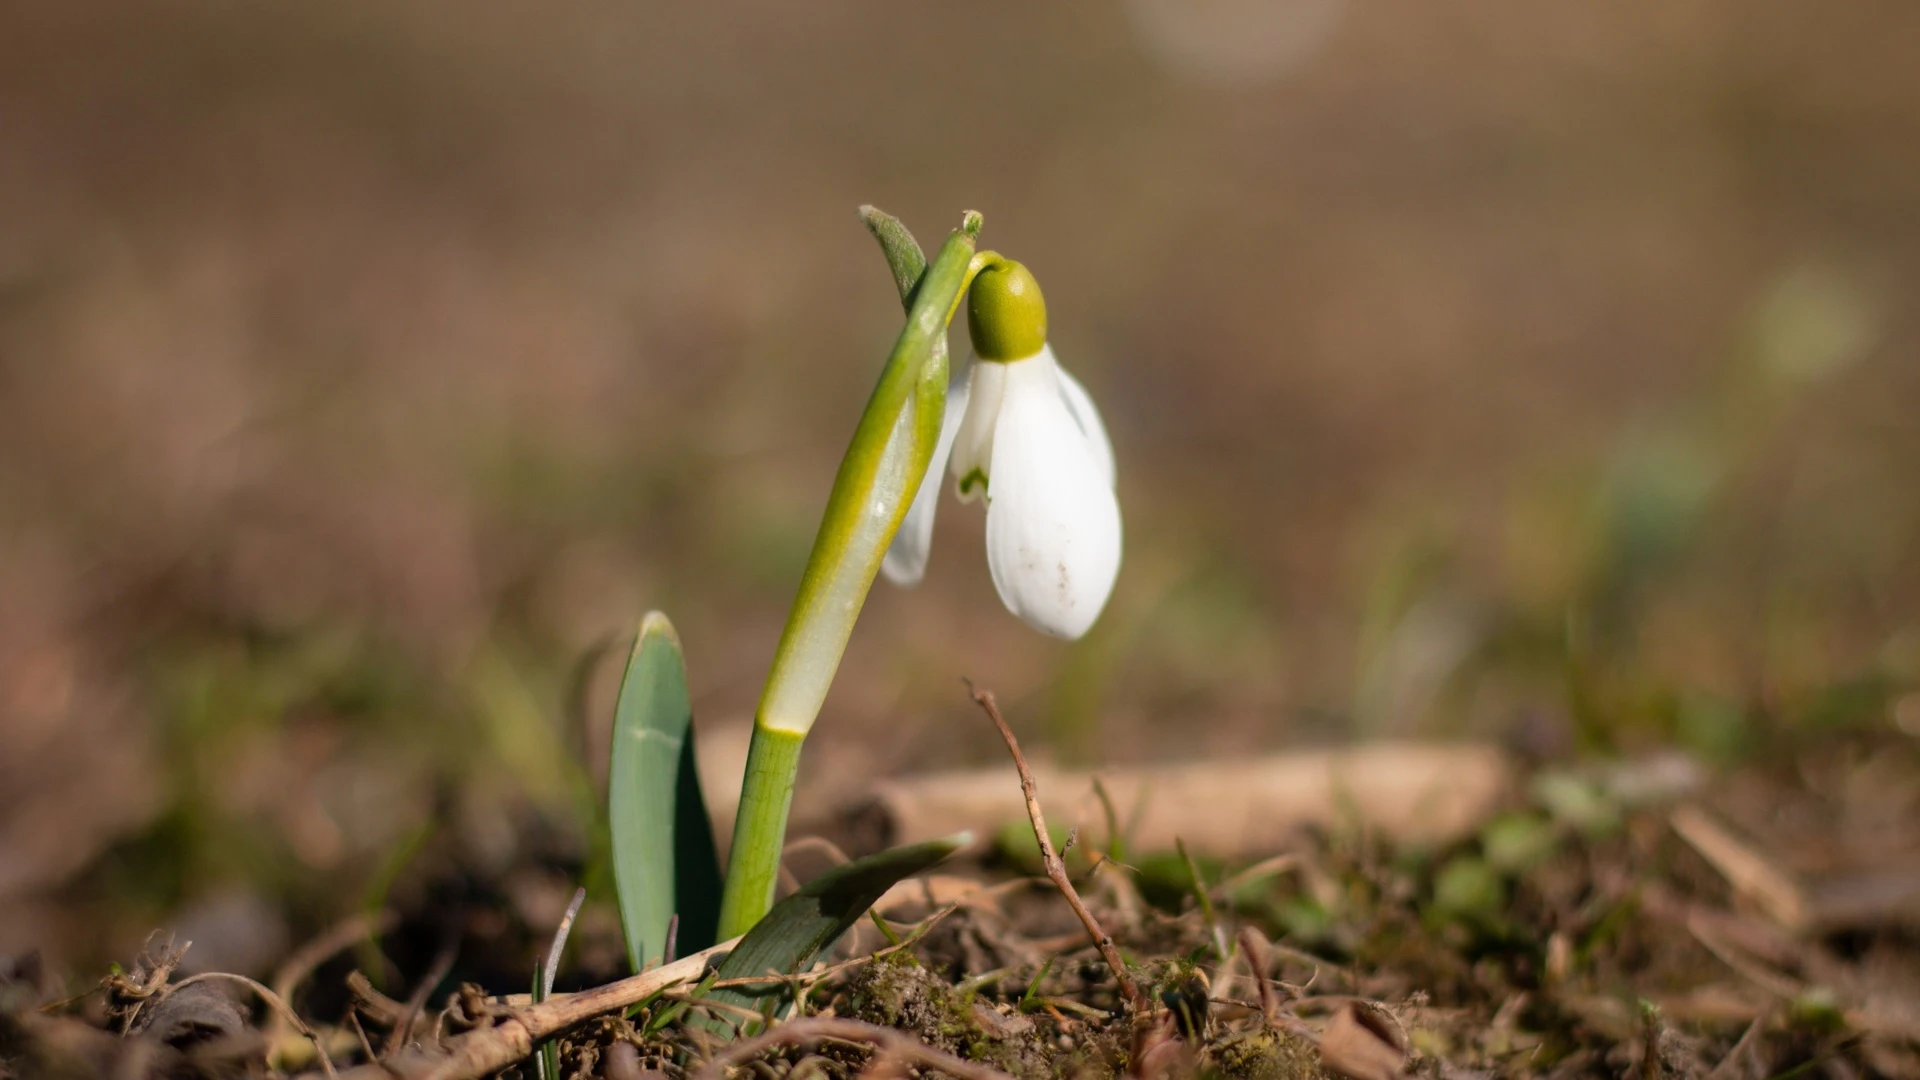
(973, 446)
(1053, 524)
(1088, 417)
(906, 561)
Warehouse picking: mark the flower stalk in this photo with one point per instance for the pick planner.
(877, 480)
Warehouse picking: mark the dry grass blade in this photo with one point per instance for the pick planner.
(889, 1043)
(1755, 970)
(559, 945)
(1750, 872)
(1834, 899)
(1271, 866)
(1744, 1059)
(1057, 867)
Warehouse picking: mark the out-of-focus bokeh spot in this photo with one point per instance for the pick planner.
(1234, 41)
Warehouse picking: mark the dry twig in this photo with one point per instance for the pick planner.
(1056, 866)
(889, 1043)
(488, 1050)
(148, 979)
(360, 1030)
(379, 1008)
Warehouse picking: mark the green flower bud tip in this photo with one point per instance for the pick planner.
(1006, 315)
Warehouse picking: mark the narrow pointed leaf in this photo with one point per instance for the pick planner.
(929, 400)
(549, 1050)
(543, 982)
(814, 917)
(664, 860)
(904, 257)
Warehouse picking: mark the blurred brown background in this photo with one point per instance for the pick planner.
(1536, 371)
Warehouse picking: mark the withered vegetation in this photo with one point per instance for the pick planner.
(1587, 930)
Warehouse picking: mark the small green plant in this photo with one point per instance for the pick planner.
(665, 868)
(1013, 428)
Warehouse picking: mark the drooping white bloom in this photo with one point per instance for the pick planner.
(1026, 435)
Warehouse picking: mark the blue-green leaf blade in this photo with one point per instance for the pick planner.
(664, 858)
(815, 916)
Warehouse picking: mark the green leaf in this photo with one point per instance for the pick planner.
(813, 918)
(549, 1050)
(664, 860)
(904, 257)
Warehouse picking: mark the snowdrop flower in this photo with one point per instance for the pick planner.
(1022, 432)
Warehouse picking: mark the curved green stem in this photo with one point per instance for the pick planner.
(878, 476)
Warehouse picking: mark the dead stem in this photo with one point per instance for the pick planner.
(1056, 866)
(366, 1047)
(149, 977)
(379, 1008)
(889, 1043)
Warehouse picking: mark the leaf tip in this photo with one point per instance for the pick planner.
(656, 622)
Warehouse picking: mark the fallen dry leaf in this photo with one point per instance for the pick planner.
(1362, 1045)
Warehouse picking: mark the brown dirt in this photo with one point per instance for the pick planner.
(1564, 941)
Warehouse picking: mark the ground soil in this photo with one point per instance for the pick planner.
(1570, 938)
